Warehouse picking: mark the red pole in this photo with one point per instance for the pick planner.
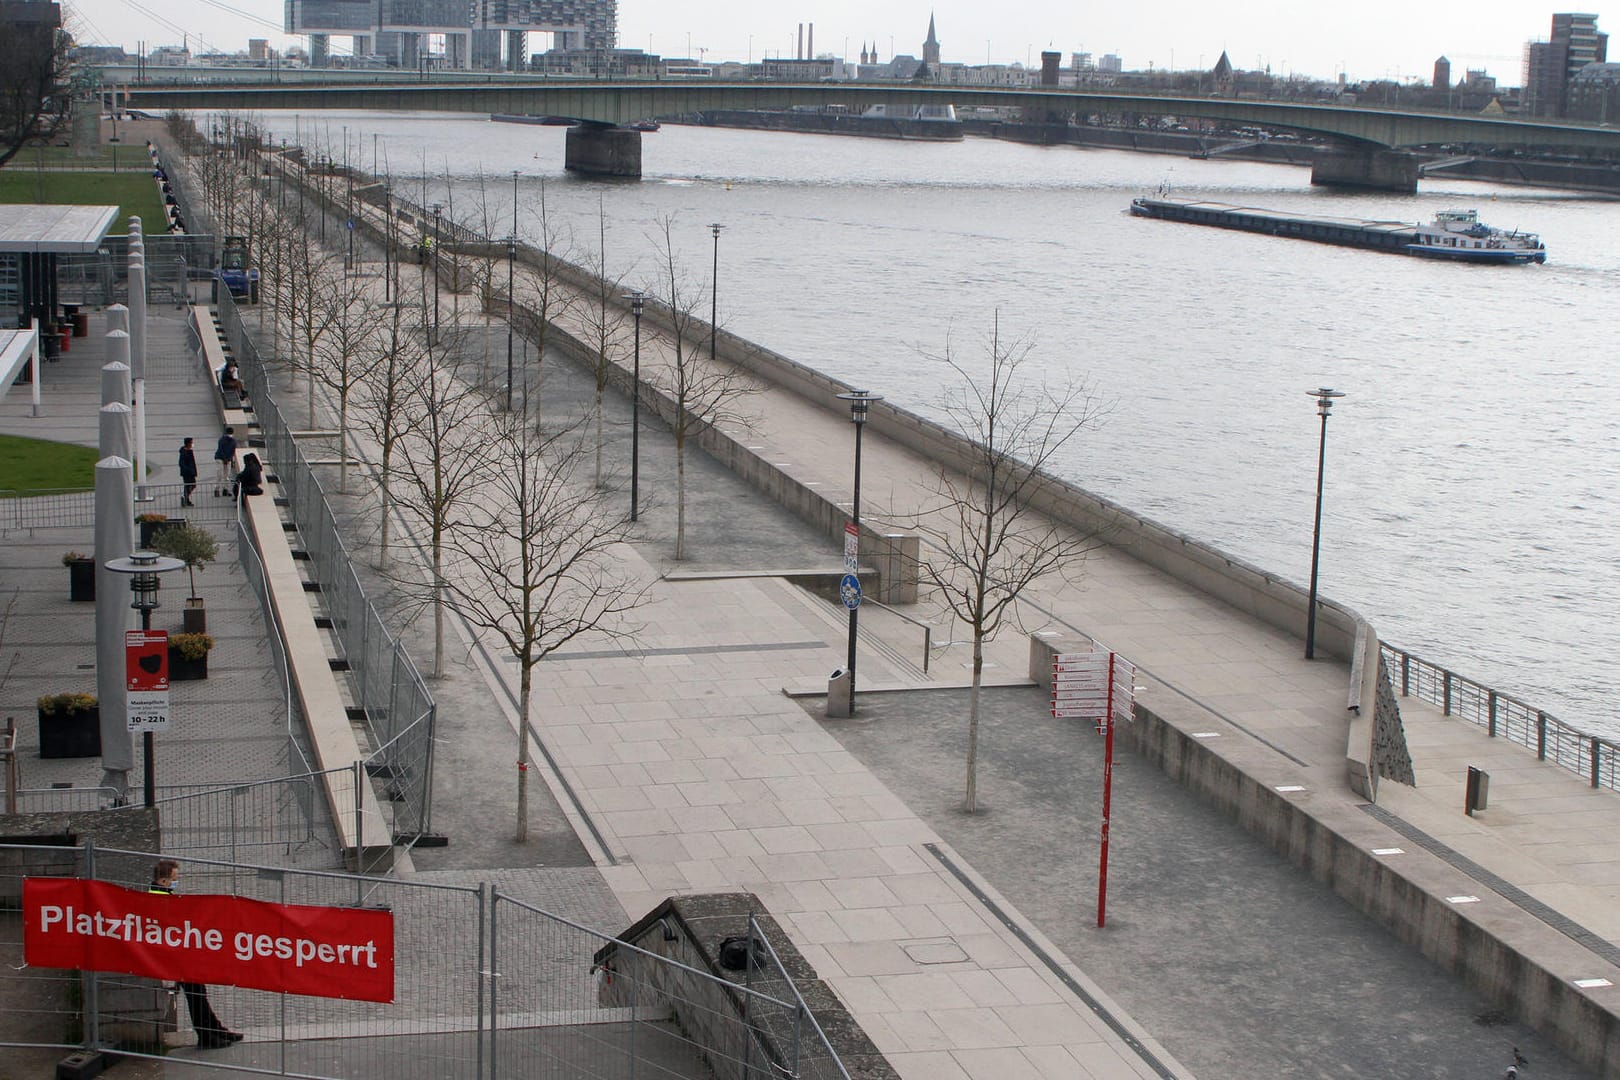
(1108, 788)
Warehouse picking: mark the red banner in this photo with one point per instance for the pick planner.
(225, 940)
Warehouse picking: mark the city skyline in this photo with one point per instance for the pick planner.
(1288, 36)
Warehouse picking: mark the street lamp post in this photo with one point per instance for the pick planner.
(638, 301)
(511, 261)
(714, 288)
(144, 568)
(1324, 405)
(859, 402)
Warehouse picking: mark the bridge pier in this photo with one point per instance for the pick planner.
(1381, 170)
(599, 150)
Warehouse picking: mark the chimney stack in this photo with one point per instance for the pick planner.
(800, 55)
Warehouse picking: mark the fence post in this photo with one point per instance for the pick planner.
(1406, 674)
(1445, 693)
(483, 974)
(1597, 759)
(493, 974)
(91, 980)
(1490, 725)
(1541, 736)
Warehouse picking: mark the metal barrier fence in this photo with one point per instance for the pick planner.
(1506, 717)
(485, 985)
(400, 713)
(176, 266)
(637, 1012)
(76, 509)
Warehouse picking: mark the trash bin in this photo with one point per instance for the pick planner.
(81, 324)
(840, 699)
(1478, 791)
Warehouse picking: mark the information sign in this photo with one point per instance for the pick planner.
(852, 546)
(146, 680)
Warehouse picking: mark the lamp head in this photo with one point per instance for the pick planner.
(859, 402)
(1324, 399)
(638, 300)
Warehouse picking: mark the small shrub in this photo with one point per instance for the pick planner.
(191, 646)
(191, 544)
(62, 704)
(149, 517)
(71, 557)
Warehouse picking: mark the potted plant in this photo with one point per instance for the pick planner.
(196, 547)
(81, 575)
(188, 656)
(69, 726)
(153, 525)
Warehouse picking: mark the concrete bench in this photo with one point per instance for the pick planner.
(364, 836)
(210, 346)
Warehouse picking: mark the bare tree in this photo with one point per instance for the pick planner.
(534, 561)
(702, 394)
(542, 296)
(35, 75)
(442, 458)
(383, 403)
(602, 318)
(348, 350)
(987, 541)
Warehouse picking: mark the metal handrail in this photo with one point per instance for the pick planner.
(1593, 757)
(927, 628)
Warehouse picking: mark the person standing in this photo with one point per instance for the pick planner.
(188, 473)
(225, 454)
(211, 1033)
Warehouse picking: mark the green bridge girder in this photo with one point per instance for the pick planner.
(622, 102)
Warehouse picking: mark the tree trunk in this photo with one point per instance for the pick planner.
(525, 681)
(680, 499)
(343, 444)
(973, 722)
(598, 436)
(382, 539)
(438, 604)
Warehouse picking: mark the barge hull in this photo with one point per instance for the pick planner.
(1391, 236)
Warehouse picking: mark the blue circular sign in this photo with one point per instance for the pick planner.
(849, 591)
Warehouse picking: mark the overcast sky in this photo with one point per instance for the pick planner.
(1368, 39)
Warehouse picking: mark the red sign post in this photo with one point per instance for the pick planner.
(227, 940)
(1098, 686)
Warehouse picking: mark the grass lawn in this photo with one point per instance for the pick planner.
(131, 192)
(29, 464)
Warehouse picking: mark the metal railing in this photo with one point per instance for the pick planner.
(62, 508)
(485, 985)
(1503, 716)
(400, 713)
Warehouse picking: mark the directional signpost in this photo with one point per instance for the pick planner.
(849, 590)
(1099, 686)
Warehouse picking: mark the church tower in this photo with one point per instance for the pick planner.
(931, 49)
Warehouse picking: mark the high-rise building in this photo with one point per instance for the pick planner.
(1549, 65)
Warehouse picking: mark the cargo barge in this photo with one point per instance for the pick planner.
(1456, 234)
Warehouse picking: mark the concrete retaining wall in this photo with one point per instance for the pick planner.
(1408, 896)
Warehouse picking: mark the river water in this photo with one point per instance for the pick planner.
(1471, 505)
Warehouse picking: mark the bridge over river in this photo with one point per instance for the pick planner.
(1370, 147)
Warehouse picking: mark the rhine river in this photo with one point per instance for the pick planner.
(1472, 505)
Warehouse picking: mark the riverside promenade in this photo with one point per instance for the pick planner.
(696, 760)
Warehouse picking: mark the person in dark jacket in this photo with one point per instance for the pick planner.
(225, 454)
(212, 1034)
(250, 481)
(188, 473)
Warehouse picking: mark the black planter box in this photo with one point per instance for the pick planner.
(82, 580)
(70, 735)
(150, 530)
(183, 670)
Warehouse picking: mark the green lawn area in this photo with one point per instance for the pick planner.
(30, 464)
(131, 192)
